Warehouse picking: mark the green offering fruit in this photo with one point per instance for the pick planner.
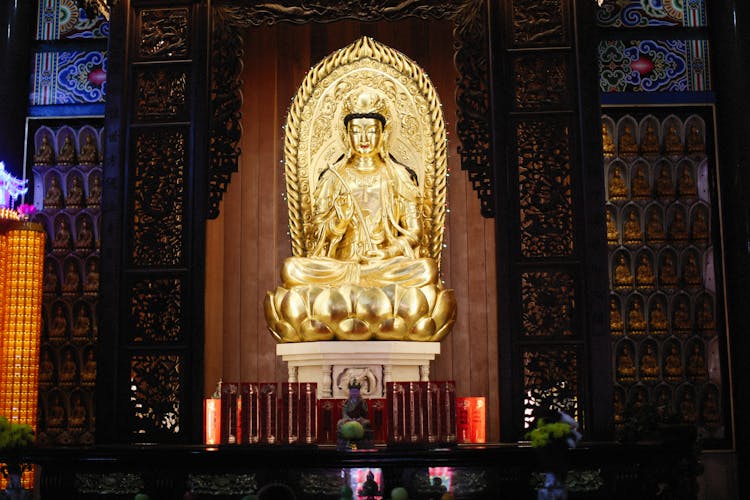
(352, 430)
(399, 493)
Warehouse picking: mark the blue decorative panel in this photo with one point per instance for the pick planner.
(654, 66)
(62, 20)
(68, 78)
(650, 13)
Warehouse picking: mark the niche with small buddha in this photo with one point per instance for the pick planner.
(664, 302)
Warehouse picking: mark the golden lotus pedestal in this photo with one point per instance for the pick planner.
(332, 365)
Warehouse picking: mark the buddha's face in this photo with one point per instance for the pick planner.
(365, 136)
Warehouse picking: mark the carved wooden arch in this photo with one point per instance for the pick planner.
(230, 18)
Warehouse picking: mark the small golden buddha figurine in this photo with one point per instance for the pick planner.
(81, 323)
(89, 154)
(46, 368)
(673, 365)
(67, 153)
(44, 155)
(640, 186)
(663, 402)
(85, 238)
(686, 187)
(644, 273)
(72, 280)
(364, 227)
(56, 414)
(681, 322)
(691, 274)
(649, 365)
(53, 195)
(672, 142)
(710, 412)
(655, 228)
(695, 145)
(696, 368)
(615, 317)
(51, 280)
(633, 235)
(618, 190)
(88, 371)
(704, 319)
(613, 236)
(623, 278)
(688, 412)
(94, 199)
(664, 185)
(68, 369)
(618, 407)
(77, 413)
(59, 324)
(668, 272)
(678, 228)
(627, 146)
(699, 226)
(657, 318)
(650, 142)
(636, 321)
(91, 285)
(62, 236)
(625, 364)
(608, 145)
(75, 192)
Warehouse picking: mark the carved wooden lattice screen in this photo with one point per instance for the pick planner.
(151, 278)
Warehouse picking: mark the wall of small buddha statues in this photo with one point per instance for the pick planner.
(664, 302)
(67, 180)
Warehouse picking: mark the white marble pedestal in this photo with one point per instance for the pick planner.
(373, 363)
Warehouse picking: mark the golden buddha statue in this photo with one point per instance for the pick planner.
(94, 199)
(668, 271)
(636, 321)
(59, 324)
(618, 407)
(695, 146)
(657, 318)
(615, 317)
(46, 368)
(699, 226)
(633, 235)
(56, 413)
(691, 274)
(681, 316)
(704, 317)
(61, 242)
(655, 228)
(663, 402)
(67, 153)
(366, 185)
(45, 154)
(50, 281)
(627, 146)
(686, 187)
(618, 190)
(91, 284)
(673, 365)
(75, 196)
(625, 364)
(78, 413)
(608, 145)
(672, 141)
(53, 196)
(678, 228)
(688, 411)
(613, 236)
(81, 323)
(649, 366)
(85, 237)
(664, 184)
(650, 142)
(622, 278)
(644, 273)
(72, 280)
(88, 370)
(640, 186)
(710, 412)
(89, 153)
(68, 369)
(696, 364)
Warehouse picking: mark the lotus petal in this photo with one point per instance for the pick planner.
(313, 330)
(293, 308)
(330, 307)
(373, 306)
(353, 329)
(391, 329)
(423, 330)
(412, 305)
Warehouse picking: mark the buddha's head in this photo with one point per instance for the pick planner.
(365, 121)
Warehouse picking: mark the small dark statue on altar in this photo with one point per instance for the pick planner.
(353, 429)
(370, 489)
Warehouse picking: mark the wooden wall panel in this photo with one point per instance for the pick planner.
(250, 236)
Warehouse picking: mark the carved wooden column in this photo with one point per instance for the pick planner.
(150, 380)
(551, 244)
